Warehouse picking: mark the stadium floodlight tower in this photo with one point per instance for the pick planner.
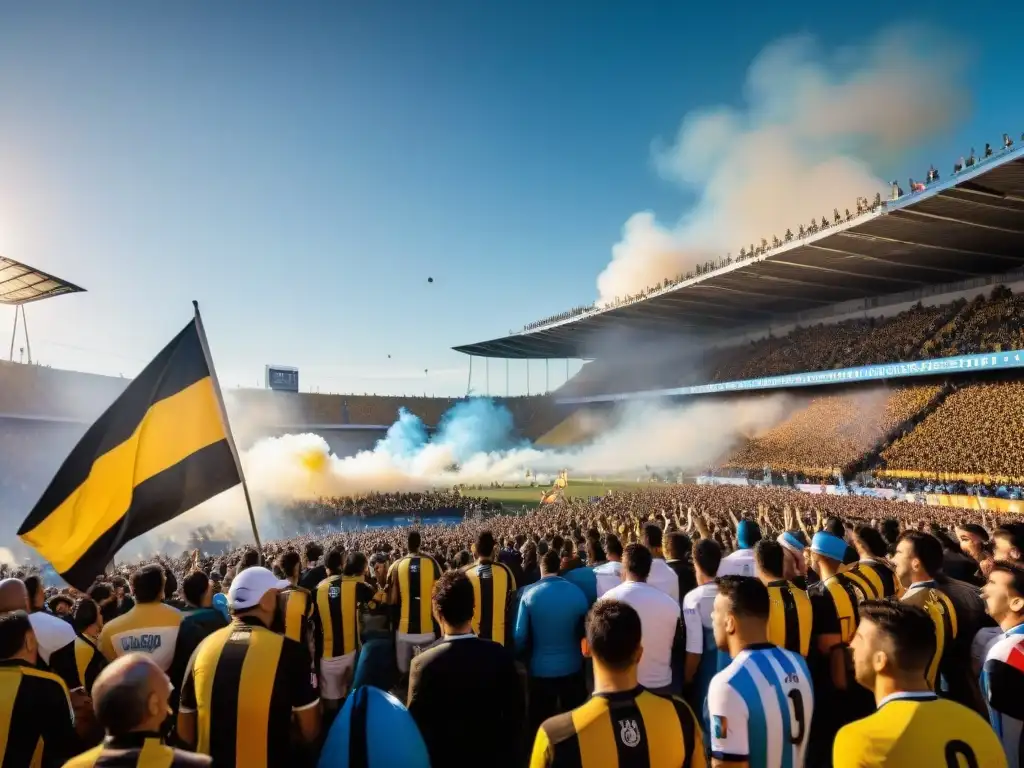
(21, 284)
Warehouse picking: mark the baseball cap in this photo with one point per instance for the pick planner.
(249, 587)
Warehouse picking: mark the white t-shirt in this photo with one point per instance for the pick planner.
(738, 563)
(609, 576)
(664, 578)
(697, 606)
(659, 620)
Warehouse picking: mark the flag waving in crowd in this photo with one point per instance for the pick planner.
(162, 448)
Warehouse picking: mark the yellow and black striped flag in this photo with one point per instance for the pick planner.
(162, 448)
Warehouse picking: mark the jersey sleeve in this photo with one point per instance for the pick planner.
(694, 628)
(728, 716)
(58, 725)
(303, 693)
(848, 749)
(824, 615)
(542, 752)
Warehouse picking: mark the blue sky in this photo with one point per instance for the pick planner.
(302, 169)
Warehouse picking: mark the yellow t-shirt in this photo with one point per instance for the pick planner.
(918, 729)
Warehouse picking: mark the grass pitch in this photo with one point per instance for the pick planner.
(526, 496)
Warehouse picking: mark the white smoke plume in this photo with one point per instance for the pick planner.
(646, 434)
(814, 132)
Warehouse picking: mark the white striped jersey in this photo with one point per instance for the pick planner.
(1002, 682)
(760, 708)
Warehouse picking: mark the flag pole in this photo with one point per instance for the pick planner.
(227, 425)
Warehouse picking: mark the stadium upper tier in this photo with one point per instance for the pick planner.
(967, 226)
(986, 324)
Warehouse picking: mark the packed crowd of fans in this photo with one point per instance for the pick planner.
(477, 628)
(862, 206)
(974, 432)
(986, 324)
(418, 504)
(833, 432)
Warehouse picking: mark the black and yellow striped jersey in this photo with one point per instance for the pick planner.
(631, 729)
(941, 611)
(790, 617)
(411, 581)
(294, 614)
(880, 578)
(493, 585)
(243, 682)
(37, 722)
(835, 602)
(336, 624)
(89, 660)
(137, 750)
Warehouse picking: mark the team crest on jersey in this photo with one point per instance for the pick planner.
(147, 643)
(720, 726)
(629, 733)
(333, 592)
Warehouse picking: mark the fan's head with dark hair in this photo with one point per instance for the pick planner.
(636, 562)
(918, 557)
(1004, 593)
(894, 640)
(453, 599)
(740, 615)
(613, 635)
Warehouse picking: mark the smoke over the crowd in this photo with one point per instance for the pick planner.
(814, 132)
(475, 444)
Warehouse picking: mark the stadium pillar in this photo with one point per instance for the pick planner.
(24, 327)
(487, 376)
(506, 377)
(527, 374)
(469, 381)
(567, 369)
(547, 375)
(14, 333)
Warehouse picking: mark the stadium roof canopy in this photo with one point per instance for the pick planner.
(21, 284)
(970, 225)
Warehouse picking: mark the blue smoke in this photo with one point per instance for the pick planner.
(476, 426)
(406, 437)
(469, 427)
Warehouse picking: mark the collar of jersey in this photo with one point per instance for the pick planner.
(16, 663)
(759, 647)
(249, 621)
(921, 584)
(908, 696)
(621, 695)
(778, 583)
(131, 740)
(1018, 630)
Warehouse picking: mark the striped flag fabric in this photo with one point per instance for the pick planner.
(162, 448)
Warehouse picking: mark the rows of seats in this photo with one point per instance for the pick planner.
(987, 324)
(831, 432)
(975, 431)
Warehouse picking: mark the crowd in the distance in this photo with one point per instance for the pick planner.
(975, 431)
(647, 628)
(990, 323)
(832, 431)
(862, 206)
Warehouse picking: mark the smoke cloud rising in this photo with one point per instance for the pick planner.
(814, 132)
(475, 443)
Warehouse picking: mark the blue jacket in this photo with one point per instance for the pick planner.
(549, 625)
(584, 578)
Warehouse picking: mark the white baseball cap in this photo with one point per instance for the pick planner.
(249, 587)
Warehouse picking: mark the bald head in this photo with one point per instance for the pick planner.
(131, 694)
(13, 595)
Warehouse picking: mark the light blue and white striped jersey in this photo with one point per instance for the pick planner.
(760, 708)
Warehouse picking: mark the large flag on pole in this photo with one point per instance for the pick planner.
(162, 448)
